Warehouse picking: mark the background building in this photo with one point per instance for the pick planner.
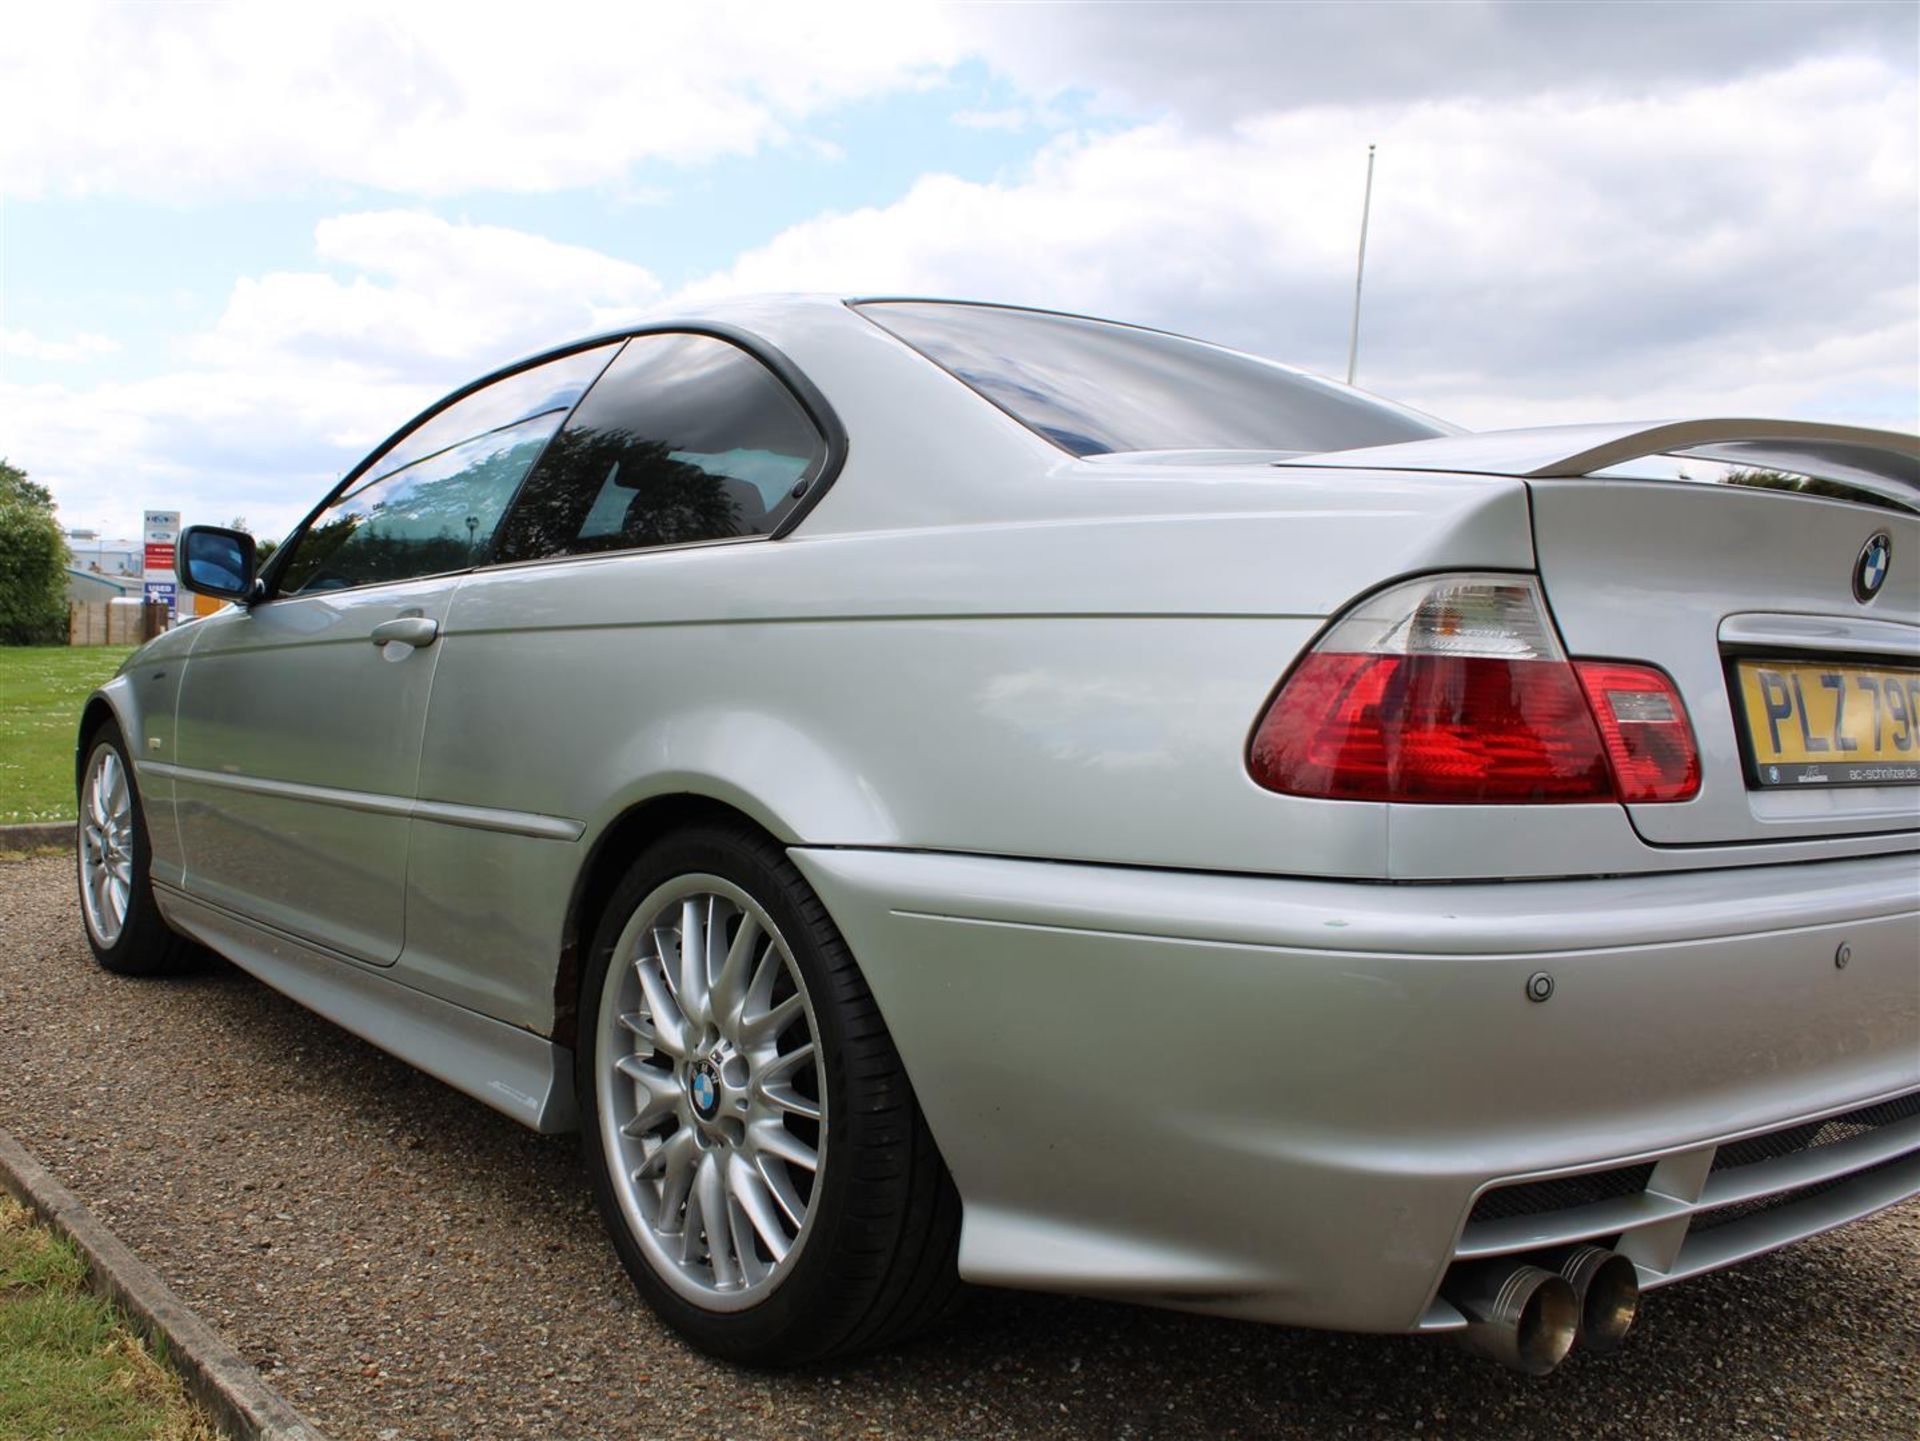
(95, 553)
(93, 585)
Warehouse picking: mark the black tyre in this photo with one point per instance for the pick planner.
(115, 864)
(754, 1145)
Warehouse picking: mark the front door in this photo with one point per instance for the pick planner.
(298, 743)
(301, 716)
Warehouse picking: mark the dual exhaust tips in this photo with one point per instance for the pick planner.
(1527, 1313)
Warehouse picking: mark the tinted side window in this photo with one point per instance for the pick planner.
(431, 502)
(685, 438)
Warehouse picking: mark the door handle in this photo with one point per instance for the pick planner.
(411, 631)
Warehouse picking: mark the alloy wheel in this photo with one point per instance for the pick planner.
(710, 1086)
(106, 846)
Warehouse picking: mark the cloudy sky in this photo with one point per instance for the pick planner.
(239, 244)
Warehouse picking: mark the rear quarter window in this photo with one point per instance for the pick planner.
(685, 438)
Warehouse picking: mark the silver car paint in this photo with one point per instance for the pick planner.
(1277, 1098)
(863, 685)
(1655, 571)
(863, 692)
(293, 728)
(514, 1071)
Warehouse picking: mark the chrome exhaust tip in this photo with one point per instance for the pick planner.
(1606, 1288)
(1522, 1316)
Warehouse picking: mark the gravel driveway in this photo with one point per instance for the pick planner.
(403, 1263)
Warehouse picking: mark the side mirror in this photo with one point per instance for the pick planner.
(216, 562)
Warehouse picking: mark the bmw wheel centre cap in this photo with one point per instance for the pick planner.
(1870, 570)
(704, 1089)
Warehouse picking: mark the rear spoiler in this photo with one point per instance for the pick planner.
(1885, 463)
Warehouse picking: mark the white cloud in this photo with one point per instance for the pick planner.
(304, 371)
(1011, 117)
(1753, 241)
(167, 101)
(1014, 118)
(82, 346)
(436, 97)
(1213, 62)
(1705, 209)
(1747, 247)
(424, 292)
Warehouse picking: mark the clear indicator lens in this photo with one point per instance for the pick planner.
(1631, 707)
(1497, 617)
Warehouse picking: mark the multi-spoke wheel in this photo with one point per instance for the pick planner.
(709, 1091)
(754, 1144)
(106, 845)
(124, 926)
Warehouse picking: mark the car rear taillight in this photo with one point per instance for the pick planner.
(1644, 726)
(1454, 690)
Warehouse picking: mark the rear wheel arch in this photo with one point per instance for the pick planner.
(882, 1261)
(608, 858)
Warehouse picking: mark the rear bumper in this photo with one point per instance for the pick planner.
(1279, 1099)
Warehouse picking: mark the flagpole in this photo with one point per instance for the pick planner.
(1360, 271)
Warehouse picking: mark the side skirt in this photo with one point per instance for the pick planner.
(516, 1072)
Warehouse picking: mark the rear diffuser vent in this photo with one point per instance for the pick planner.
(1561, 1193)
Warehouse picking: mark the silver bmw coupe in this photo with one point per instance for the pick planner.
(944, 793)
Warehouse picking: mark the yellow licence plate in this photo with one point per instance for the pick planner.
(1832, 725)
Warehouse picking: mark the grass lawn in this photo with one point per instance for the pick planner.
(69, 1366)
(41, 691)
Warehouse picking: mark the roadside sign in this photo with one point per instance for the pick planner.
(162, 535)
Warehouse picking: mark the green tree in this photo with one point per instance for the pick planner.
(261, 548)
(1810, 485)
(14, 485)
(33, 561)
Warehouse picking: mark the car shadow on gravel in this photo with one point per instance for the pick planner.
(1766, 1347)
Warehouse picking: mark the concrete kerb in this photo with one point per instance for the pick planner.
(232, 1392)
(32, 837)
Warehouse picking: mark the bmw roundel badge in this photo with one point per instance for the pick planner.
(706, 1091)
(1870, 570)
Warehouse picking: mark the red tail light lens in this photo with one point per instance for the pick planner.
(1461, 729)
(1454, 690)
(1644, 726)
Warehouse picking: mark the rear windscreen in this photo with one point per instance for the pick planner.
(1092, 387)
